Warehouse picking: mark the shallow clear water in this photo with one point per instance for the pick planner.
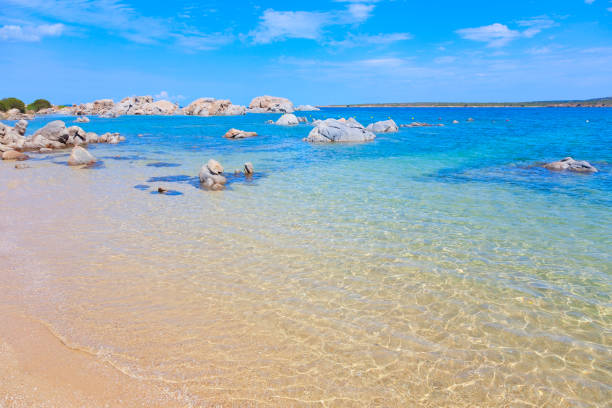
(434, 266)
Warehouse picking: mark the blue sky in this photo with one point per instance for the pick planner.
(319, 52)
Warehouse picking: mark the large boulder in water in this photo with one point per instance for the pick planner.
(569, 164)
(270, 104)
(288, 119)
(339, 130)
(384, 126)
(80, 156)
(238, 134)
(55, 131)
(211, 175)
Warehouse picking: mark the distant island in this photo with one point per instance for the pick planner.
(589, 103)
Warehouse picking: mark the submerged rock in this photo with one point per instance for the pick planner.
(422, 124)
(211, 175)
(80, 156)
(569, 164)
(339, 130)
(288, 119)
(270, 104)
(14, 155)
(307, 108)
(384, 126)
(238, 134)
(82, 119)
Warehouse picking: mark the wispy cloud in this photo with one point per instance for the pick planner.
(499, 35)
(277, 25)
(495, 35)
(30, 33)
(119, 18)
(363, 40)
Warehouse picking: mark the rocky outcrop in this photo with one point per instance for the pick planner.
(213, 107)
(270, 104)
(54, 135)
(21, 127)
(384, 126)
(15, 114)
(339, 131)
(569, 164)
(132, 105)
(238, 134)
(211, 175)
(79, 156)
(288, 119)
(307, 108)
(82, 119)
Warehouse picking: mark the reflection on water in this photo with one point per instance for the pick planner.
(428, 268)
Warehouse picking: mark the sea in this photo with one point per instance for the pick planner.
(435, 266)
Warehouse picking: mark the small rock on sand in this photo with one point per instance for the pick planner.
(14, 155)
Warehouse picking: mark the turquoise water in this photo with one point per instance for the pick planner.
(436, 265)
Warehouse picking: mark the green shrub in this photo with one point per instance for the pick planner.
(39, 104)
(10, 103)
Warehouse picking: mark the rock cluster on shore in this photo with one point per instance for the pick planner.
(54, 135)
(339, 130)
(213, 107)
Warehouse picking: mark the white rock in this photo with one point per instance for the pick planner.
(288, 119)
(80, 156)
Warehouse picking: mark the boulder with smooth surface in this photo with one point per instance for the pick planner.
(79, 156)
(288, 119)
(339, 131)
(14, 155)
(211, 175)
(384, 126)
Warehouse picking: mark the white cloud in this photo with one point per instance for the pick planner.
(280, 25)
(498, 35)
(495, 35)
(535, 25)
(30, 33)
(361, 40)
(166, 96)
(360, 12)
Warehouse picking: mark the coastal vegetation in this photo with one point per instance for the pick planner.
(39, 104)
(7, 104)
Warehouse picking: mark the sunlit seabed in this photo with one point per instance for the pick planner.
(434, 266)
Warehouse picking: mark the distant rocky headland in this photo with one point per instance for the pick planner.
(14, 109)
(586, 103)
